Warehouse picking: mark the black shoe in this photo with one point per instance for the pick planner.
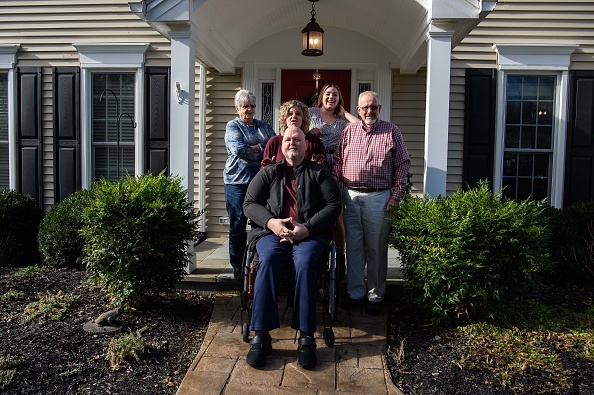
(306, 353)
(237, 274)
(373, 308)
(349, 303)
(260, 347)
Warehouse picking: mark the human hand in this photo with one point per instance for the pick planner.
(279, 226)
(341, 111)
(267, 161)
(298, 233)
(392, 203)
(319, 158)
(315, 132)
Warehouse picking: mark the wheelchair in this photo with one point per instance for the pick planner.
(328, 282)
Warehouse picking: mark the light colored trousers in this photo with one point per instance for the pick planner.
(367, 229)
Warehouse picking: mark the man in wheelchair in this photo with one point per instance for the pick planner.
(292, 205)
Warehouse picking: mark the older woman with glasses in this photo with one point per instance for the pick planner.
(245, 139)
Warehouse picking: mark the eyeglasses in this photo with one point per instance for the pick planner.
(372, 108)
(248, 106)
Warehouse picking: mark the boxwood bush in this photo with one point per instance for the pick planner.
(19, 222)
(60, 239)
(136, 231)
(572, 243)
(463, 254)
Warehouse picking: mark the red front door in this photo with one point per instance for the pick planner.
(301, 85)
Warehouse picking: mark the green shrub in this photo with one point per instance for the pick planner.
(136, 233)
(7, 370)
(464, 253)
(49, 306)
(29, 271)
(60, 239)
(126, 347)
(19, 222)
(572, 242)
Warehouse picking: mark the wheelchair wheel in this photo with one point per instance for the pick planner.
(245, 332)
(329, 337)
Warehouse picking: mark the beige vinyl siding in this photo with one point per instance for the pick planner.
(46, 30)
(515, 22)
(531, 22)
(220, 110)
(408, 113)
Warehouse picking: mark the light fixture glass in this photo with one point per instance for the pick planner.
(313, 36)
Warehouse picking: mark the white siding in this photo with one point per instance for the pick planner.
(46, 31)
(515, 22)
(408, 113)
(220, 110)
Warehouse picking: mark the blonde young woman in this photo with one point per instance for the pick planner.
(328, 120)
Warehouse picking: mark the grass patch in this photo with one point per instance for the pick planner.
(528, 341)
(7, 371)
(125, 348)
(12, 295)
(29, 271)
(48, 306)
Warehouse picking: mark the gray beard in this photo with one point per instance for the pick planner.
(370, 121)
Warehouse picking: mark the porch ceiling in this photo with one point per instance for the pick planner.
(223, 29)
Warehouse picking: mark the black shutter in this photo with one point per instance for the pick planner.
(157, 120)
(479, 126)
(28, 126)
(66, 131)
(579, 172)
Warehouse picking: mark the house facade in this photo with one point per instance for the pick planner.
(498, 90)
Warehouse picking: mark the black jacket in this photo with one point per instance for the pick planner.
(318, 199)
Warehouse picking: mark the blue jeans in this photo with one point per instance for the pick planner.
(234, 195)
(273, 256)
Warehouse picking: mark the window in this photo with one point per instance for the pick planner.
(112, 121)
(531, 127)
(4, 169)
(528, 141)
(268, 102)
(113, 73)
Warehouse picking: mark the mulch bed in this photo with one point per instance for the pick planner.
(432, 353)
(59, 357)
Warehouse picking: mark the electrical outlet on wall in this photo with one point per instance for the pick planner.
(223, 220)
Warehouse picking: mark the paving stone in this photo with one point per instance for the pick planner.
(269, 375)
(234, 389)
(226, 344)
(323, 376)
(370, 381)
(219, 363)
(203, 382)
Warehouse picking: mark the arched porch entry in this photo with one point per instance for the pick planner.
(301, 85)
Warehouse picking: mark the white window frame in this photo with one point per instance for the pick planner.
(535, 60)
(105, 58)
(8, 62)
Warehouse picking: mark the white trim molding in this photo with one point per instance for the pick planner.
(8, 62)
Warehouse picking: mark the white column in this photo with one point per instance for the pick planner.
(182, 103)
(439, 49)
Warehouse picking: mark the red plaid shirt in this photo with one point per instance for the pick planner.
(373, 157)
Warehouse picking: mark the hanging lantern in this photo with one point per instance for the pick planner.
(313, 36)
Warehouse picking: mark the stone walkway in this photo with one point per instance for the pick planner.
(356, 364)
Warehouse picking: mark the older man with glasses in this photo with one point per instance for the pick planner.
(372, 163)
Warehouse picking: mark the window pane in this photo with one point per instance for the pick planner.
(530, 101)
(512, 137)
(4, 130)
(528, 137)
(113, 124)
(268, 102)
